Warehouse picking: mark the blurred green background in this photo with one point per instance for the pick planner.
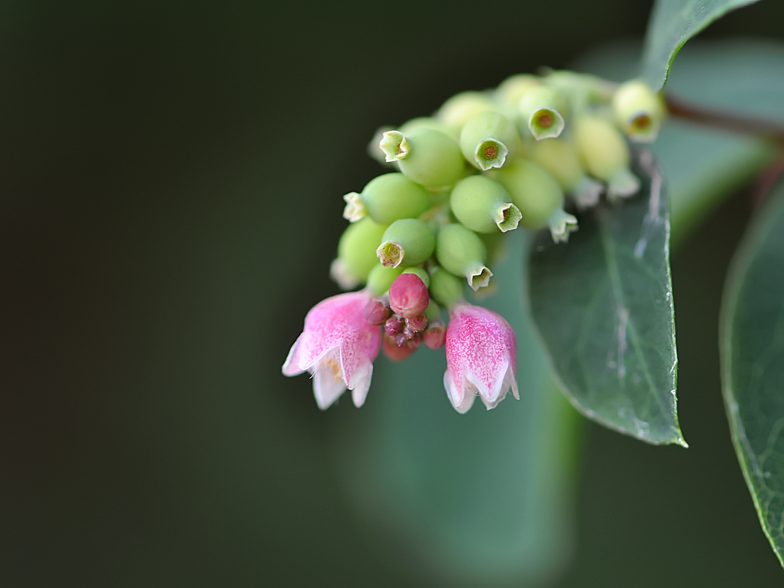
(170, 183)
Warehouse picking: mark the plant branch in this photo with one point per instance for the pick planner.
(768, 129)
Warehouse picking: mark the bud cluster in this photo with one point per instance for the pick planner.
(484, 164)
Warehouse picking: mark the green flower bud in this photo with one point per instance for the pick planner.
(357, 252)
(428, 157)
(483, 205)
(605, 155)
(541, 109)
(513, 88)
(422, 274)
(534, 191)
(559, 157)
(461, 252)
(445, 288)
(638, 110)
(488, 140)
(461, 108)
(406, 242)
(433, 310)
(426, 122)
(390, 197)
(381, 278)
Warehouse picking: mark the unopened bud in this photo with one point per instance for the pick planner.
(535, 192)
(605, 154)
(406, 242)
(601, 146)
(397, 352)
(393, 326)
(512, 89)
(541, 108)
(408, 296)
(461, 108)
(427, 122)
(461, 252)
(357, 250)
(489, 140)
(416, 324)
(638, 110)
(435, 334)
(445, 287)
(428, 157)
(559, 157)
(377, 311)
(393, 196)
(422, 274)
(483, 205)
(381, 278)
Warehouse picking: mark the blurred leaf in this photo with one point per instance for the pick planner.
(702, 165)
(672, 23)
(472, 498)
(603, 306)
(752, 355)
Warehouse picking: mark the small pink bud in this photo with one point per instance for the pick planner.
(416, 324)
(393, 326)
(435, 334)
(377, 312)
(395, 352)
(408, 295)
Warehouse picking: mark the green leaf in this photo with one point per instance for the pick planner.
(466, 499)
(702, 164)
(672, 23)
(752, 355)
(603, 306)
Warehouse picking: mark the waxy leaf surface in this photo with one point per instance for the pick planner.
(603, 306)
(752, 355)
(672, 23)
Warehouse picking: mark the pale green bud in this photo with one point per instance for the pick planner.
(605, 154)
(381, 278)
(541, 108)
(534, 191)
(461, 108)
(461, 252)
(483, 205)
(445, 287)
(638, 110)
(428, 157)
(422, 274)
(433, 310)
(559, 157)
(390, 197)
(357, 252)
(427, 122)
(601, 146)
(406, 242)
(489, 140)
(513, 88)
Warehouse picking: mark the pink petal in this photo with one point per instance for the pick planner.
(481, 353)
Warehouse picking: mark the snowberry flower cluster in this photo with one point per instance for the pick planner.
(484, 164)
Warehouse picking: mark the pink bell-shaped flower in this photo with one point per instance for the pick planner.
(337, 347)
(481, 351)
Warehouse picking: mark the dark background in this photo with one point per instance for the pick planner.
(170, 182)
